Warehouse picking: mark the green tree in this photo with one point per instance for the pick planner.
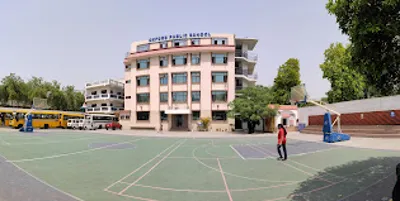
(14, 90)
(252, 106)
(288, 76)
(346, 83)
(373, 28)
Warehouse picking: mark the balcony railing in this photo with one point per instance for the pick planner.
(104, 109)
(245, 72)
(105, 83)
(104, 96)
(247, 55)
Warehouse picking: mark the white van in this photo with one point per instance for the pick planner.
(73, 123)
(97, 121)
(81, 124)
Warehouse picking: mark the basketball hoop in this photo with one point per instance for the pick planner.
(40, 103)
(298, 94)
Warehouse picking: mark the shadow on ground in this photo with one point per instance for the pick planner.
(366, 180)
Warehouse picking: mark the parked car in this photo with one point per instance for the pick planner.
(113, 126)
(73, 123)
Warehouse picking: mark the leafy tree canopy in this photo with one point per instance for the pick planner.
(288, 76)
(373, 28)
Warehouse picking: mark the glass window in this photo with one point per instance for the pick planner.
(195, 115)
(195, 59)
(143, 116)
(180, 96)
(195, 77)
(127, 82)
(219, 77)
(195, 41)
(220, 41)
(143, 63)
(163, 116)
(127, 97)
(219, 96)
(142, 48)
(143, 98)
(219, 58)
(219, 115)
(195, 96)
(163, 79)
(179, 78)
(163, 97)
(143, 81)
(164, 45)
(179, 60)
(178, 43)
(164, 61)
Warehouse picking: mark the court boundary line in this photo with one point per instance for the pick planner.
(69, 154)
(3, 141)
(131, 196)
(237, 152)
(56, 142)
(42, 181)
(206, 148)
(140, 167)
(224, 179)
(152, 168)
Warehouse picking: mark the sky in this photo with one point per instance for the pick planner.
(79, 41)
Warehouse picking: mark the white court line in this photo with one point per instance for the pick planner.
(148, 171)
(237, 152)
(224, 179)
(130, 196)
(62, 141)
(43, 182)
(69, 154)
(137, 169)
(304, 165)
(3, 141)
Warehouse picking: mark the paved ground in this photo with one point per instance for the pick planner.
(103, 165)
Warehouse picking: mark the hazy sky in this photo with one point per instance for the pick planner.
(75, 41)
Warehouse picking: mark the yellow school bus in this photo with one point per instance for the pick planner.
(43, 118)
(7, 115)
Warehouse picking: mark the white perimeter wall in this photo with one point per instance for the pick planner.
(366, 105)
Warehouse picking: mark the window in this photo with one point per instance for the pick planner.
(219, 96)
(179, 60)
(195, 41)
(127, 67)
(195, 59)
(143, 63)
(143, 98)
(163, 116)
(164, 45)
(104, 104)
(127, 82)
(163, 97)
(219, 77)
(219, 41)
(178, 43)
(143, 116)
(195, 77)
(142, 48)
(163, 79)
(219, 115)
(195, 96)
(195, 115)
(127, 97)
(179, 78)
(104, 91)
(219, 58)
(143, 81)
(180, 96)
(164, 61)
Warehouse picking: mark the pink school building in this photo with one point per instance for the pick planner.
(172, 81)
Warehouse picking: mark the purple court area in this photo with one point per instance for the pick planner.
(260, 151)
(111, 145)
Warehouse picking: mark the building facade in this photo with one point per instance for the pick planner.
(172, 81)
(106, 96)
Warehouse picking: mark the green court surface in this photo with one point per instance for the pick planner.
(100, 167)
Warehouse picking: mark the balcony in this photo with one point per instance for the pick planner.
(104, 83)
(104, 97)
(251, 57)
(240, 72)
(104, 109)
(239, 87)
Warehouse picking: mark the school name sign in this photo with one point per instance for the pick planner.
(179, 36)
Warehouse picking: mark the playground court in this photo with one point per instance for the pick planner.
(73, 165)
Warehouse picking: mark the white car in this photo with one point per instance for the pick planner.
(81, 124)
(73, 123)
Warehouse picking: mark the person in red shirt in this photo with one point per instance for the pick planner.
(282, 142)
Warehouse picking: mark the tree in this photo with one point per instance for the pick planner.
(15, 90)
(252, 106)
(346, 83)
(288, 76)
(373, 28)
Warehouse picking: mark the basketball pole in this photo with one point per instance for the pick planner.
(330, 110)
